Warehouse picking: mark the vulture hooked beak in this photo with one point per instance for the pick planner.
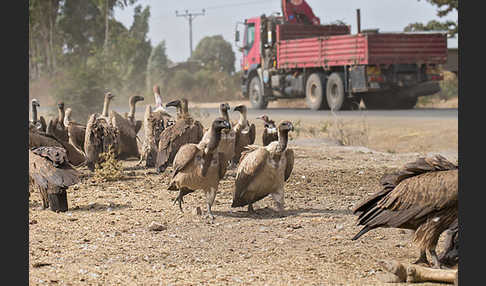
(174, 103)
(237, 108)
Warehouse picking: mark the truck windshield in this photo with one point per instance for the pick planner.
(250, 36)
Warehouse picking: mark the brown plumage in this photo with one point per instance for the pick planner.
(421, 196)
(244, 133)
(100, 135)
(185, 130)
(228, 137)
(154, 122)
(200, 166)
(38, 123)
(263, 170)
(56, 125)
(270, 132)
(127, 146)
(51, 174)
(76, 131)
(39, 139)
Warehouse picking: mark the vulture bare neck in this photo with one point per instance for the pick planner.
(106, 105)
(34, 113)
(214, 138)
(243, 121)
(283, 138)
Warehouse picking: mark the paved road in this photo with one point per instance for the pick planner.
(302, 112)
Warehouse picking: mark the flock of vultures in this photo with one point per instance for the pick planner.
(421, 196)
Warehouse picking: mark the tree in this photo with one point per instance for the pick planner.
(216, 53)
(444, 8)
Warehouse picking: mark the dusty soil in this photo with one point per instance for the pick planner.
(105, 238)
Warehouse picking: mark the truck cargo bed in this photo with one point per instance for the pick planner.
(362, 49)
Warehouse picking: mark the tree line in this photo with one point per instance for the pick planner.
(84, 51)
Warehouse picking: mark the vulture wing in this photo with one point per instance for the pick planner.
(43, 172)
(408, 196)
(184, 157)
(250, 166)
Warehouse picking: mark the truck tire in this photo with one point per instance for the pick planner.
(255, 94)
(315, 93)
(336, 98)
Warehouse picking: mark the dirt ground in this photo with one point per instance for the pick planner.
(105, 238)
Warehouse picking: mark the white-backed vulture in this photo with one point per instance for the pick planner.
(154, 122)
(185, 130)
(421, 196)
(263, 170)
(56, 125)
(200, 166)
(38, 123)
(228, 137)
(51, 174)
(76, 131)
(127, 146)
(244, 133)
(270, 132)
(100, 135)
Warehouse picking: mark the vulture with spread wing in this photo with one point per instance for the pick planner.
(421, 196)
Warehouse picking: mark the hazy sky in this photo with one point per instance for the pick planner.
(222, 15)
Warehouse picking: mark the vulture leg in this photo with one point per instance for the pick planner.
(180, 197)
(278, 197)
(422, 258)
(210, 196)
(250, 209)
(435, 260)
(58, 202)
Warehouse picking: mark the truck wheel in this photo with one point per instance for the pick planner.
(255, 92)
(335, 92)
(314, 93)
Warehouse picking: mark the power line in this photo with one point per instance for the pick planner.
(190, 17)
(239, 4)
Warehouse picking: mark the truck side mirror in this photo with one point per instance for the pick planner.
(237, 36)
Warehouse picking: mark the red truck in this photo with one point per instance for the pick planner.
(295, 56)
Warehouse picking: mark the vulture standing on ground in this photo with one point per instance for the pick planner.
(154, 122)
(127, 146)
(263, 170)
(421, 196)
(51, 173)
(56, 125)
(228, 137)
(200, 166)
(76, 131)
(185, 130)
(270, 132)
(244, 133)
(100, 135)
(38, 123)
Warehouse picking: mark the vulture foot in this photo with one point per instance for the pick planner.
(422, 259)
(251, 210)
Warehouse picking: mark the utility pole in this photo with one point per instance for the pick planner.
(190, 17)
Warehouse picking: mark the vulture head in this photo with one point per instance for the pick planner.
(224, 107)
(263, 117)
(136, 98)
(241, 108)
(285, 126)
(109, 95)
(174, 103)
(35, 102)
(60, 105)
(220, 123)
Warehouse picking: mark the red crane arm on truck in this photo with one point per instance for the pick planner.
(299, 12)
